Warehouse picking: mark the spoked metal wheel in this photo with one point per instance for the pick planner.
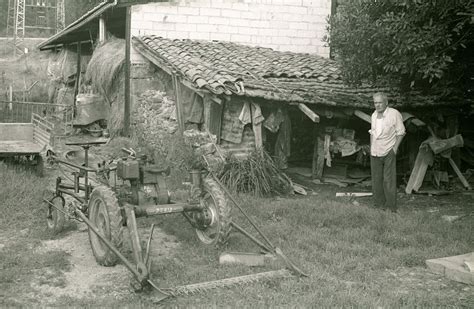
(55, 218)
(212, 225)
(105, 214)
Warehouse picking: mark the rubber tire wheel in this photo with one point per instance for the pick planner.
(56, 219)
(216, 200)
(105, 214)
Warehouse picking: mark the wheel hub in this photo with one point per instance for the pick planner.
(206, 217)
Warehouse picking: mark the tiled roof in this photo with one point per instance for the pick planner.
(234, 69)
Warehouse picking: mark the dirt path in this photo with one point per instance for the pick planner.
(86, 279)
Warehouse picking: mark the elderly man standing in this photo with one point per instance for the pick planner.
(386, 133)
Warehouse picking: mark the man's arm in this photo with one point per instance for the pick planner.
(397, 142)
(399, 131)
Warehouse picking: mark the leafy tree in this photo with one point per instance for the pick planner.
(414, 44)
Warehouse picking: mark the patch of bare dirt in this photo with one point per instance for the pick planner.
(85, 278)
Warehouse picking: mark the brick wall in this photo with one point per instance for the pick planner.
(284, 25)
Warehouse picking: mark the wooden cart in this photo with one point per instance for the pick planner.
(26, 141)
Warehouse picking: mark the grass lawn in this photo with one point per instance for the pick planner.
(355, 256)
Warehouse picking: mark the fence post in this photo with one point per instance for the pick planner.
(10, 97)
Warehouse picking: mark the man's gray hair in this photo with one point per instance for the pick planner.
(381, 95)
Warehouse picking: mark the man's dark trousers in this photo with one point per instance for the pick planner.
(384, 180)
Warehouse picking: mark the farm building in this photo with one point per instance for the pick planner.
(251, 73)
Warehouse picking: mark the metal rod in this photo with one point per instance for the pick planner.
(251, 237)
(152, 209)
(132, 225)
(126, 109)
(71, 187)
(87, 169)
(80, 199)
(58, 209)
(148, 246)
(124, 260)
(242, 211)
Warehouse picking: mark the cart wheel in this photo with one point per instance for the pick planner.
(213, 223)
(39, 165)
(55, 219)
(105, 214)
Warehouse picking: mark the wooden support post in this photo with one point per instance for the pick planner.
(257, 131)
(78, 77)
(318, 158)
(102, 30)
(308, 112)
(179, 107)
(126, 108)
(10, 97)
(423, 159)
(363, 116)
(460, 175)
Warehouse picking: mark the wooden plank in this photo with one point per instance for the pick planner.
(215, 119)
(417, 122)
(460, 175)
(19, 147)
(423, 159)
(363, 116)
(353, 194)
(453, 267)
(308, 112)
(440, 145)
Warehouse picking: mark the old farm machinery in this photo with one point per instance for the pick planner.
(107, 208)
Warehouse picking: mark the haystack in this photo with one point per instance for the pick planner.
(105, 75)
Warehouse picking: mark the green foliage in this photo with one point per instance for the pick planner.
(409, 43)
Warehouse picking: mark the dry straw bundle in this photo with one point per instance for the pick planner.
(105, 75)
(257, 175)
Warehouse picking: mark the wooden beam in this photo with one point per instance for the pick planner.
(308, 112)
(318, 158)
(179, 107)
(460, 175)
(363, 116)
(417, 122)
(190, 86)
(423, 160)
(126, 108)
(78, 77)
